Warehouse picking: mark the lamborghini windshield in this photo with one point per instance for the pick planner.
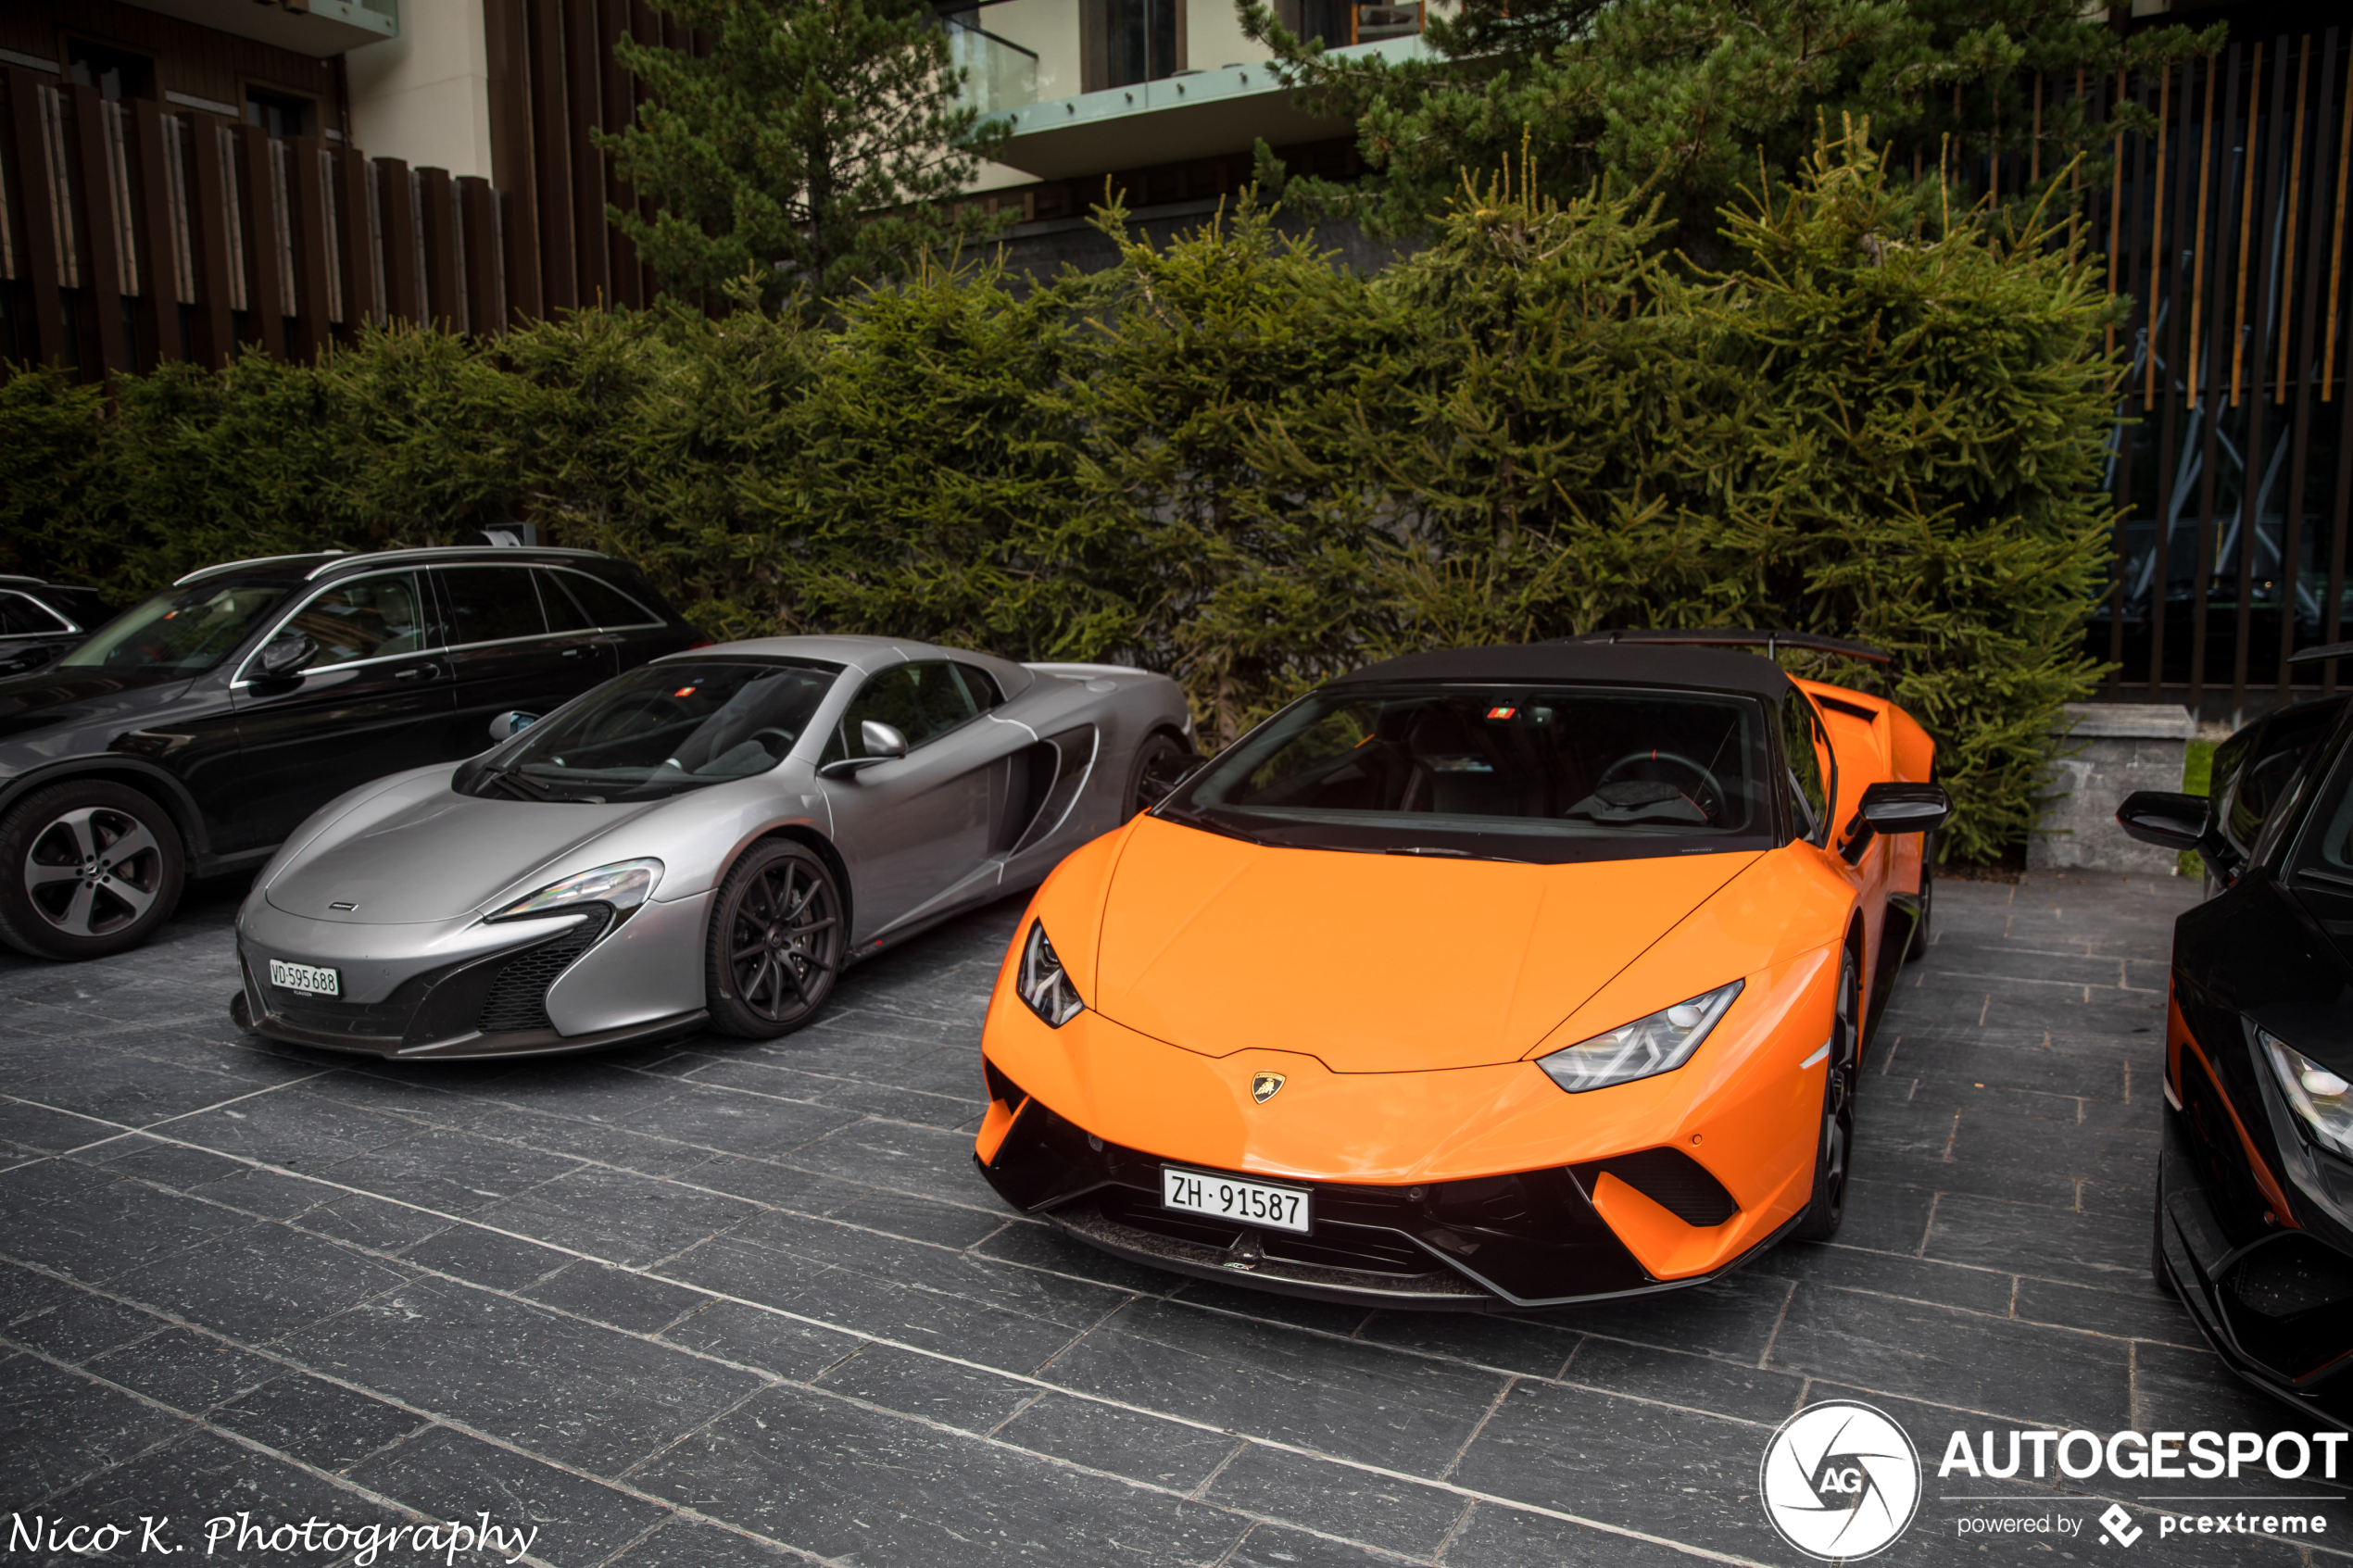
(1496, 773)
(662, 730)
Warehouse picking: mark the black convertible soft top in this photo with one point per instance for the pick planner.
(1602, 664)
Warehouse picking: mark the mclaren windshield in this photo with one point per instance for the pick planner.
(1496, 773)
(660, 730)
(181, 631)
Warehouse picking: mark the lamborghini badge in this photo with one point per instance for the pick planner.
(1264, 1087)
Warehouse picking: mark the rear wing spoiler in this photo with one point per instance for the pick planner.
(1771, 641)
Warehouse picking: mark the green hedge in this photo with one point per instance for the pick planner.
(1232, 460)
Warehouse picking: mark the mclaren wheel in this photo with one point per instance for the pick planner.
(87, 868)
(1833, 1151)
(1162, 763)
(776, 942)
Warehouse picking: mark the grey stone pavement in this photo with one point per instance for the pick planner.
(725, 1304)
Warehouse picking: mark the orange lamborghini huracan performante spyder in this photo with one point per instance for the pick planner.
(1497, 978)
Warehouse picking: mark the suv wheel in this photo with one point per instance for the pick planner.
(87, 868)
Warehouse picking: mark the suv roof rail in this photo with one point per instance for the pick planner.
(1771, 641)
(500, 550)
(203, 571)
(12, 578)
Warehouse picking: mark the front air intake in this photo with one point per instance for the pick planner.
(518, 999)
(1670, 1178)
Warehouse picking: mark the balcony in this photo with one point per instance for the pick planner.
(1000, 75)
(320, 28)
(1193, 114)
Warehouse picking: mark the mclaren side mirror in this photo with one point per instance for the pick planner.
(510, 724)
(1892, 808)
(2161, 817)
(286, 654)
(884, 743)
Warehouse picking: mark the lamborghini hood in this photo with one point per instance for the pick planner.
(435, 858)
(1373, 964)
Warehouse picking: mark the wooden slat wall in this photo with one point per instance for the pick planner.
(2233, 462)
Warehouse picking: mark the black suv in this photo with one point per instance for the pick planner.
(194, 731)
(40, 620)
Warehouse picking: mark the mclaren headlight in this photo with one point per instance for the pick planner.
(1043, 984)
(1660, 1043)
(2321, 1099)
(623, 884)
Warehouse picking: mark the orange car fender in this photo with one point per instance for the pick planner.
(1071, 903)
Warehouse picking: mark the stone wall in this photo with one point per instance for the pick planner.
(2105, 751)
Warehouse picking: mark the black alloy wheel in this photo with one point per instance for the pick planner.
(1833, 1152)
(1162, 763)
(87, 868)
(776, 942)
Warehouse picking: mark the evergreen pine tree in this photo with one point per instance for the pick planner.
(811, 149)
(1685, 96)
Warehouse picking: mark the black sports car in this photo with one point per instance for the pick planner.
(2255, 1188)
(192, 731)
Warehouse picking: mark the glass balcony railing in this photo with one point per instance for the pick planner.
(999, 74)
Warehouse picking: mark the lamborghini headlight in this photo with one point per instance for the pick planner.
(623, 884)
(2320, 1097)
(1043, 984)
(1643, 1048)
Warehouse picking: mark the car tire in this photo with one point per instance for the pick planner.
(1834, 1147)
(1917, 947)
(1161, 764)
(776, 941)
(88, 869)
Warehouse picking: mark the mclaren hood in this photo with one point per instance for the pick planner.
(414, 855)
(1372, 963)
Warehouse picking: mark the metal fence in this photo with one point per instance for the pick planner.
(2227, 227)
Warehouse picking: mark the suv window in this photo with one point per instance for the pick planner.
(1803, 745)
(921, 701)
(605, 605)
(367, 618)
(22, 617)
(564, 613)
(490, 604)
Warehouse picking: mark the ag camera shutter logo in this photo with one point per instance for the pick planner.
(1840, 1480)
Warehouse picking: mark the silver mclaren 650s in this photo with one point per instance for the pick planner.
(702, 842)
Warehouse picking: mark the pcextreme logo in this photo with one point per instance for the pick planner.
(1840, 1480)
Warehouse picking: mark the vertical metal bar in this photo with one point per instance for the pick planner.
(2295, 191)
(306, 191)
(357, 237)
(445, 292)
(257, 193)
(486, 307)
(2336, 269)
(25, 109)
(513, 163)
(402, 284)
(2332, 614)
(101, 274)
(2169, 249)
(2246, 216)
(2265, 263)
(2205, 182)
(210, 216)
(2125, 438)
(2157, 224)
(159, 290)
(559, 287)
(583, 98)
(2208, 545)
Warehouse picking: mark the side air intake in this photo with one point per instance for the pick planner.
(1670, 1178)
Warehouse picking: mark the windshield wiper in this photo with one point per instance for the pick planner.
(514, 783)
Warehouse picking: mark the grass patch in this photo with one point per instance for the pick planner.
(2197, 778)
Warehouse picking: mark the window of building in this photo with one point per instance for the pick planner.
(1342, 23)
(280, 114)
(1124, 42)
(117, 74)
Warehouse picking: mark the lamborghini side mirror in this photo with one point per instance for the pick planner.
(2161, 817)
(1892, 808)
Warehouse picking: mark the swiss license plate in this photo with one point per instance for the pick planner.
(305, 977)
(1227, 1198)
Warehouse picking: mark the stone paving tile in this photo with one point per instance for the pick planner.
(412, 1233)
(207, 1491)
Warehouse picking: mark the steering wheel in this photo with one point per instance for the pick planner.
(782, 743)
(1711, 797)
